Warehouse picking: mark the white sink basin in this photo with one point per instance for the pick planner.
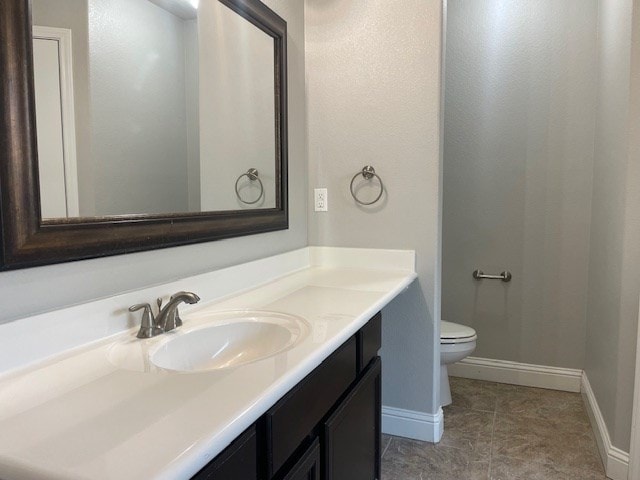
(220, 340)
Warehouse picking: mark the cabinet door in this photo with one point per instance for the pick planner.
(238, 461)
(308, 467)
(352, 433)
(290, 421)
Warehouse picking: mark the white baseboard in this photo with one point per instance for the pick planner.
(410, 424)
(616, 461)
(525, 374)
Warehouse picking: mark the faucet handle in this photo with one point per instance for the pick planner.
(148, 327)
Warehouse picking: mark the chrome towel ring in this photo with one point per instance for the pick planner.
(253, 175)
(369, 173)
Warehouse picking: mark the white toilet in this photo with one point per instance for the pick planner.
(456, 342)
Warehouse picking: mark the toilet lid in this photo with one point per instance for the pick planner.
(455, 331)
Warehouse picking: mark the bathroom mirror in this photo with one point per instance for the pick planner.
(128, 125)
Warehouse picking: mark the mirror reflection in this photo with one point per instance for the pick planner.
(152, 106)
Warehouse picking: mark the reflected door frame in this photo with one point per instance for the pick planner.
(634, 451)
(63, 38)
(634, 143)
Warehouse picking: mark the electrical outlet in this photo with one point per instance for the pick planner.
(321, 200)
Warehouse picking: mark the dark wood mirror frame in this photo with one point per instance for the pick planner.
(28, 241)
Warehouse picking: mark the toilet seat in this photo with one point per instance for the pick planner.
(454, 333)
(457, 342)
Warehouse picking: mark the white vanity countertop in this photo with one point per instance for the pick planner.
(76, 415)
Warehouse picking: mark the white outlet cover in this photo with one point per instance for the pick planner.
(321, 200)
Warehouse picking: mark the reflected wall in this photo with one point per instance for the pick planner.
(172, 104)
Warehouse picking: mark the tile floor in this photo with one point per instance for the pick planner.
(501, 432)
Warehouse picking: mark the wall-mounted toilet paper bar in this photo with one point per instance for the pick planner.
(504, 276)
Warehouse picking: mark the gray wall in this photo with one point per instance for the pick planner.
(536, 195)
(614, 266)
(518, 161)
(192, 85)
(373, 84)
(139, 124)
(28, 291)
(73, 14)
(240, 130)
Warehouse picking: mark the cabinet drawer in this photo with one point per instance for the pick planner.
(294, 417)
(308, 467)
(369, 340)
(238, 460)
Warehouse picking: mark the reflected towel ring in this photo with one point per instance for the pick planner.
(368, 173)
(252, 175)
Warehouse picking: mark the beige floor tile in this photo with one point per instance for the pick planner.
(545, 441)
(540, 403)
(501, 431)
(409, 459)
(473, 394)
(506, 468)
(469, 430)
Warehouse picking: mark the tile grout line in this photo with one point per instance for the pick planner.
(493, 429)
(386, 448)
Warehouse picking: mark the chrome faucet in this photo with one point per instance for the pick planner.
(168, 317)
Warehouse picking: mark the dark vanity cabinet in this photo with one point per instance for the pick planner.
(238, 461)
(308, 466)
(327, 427)
(351, 435)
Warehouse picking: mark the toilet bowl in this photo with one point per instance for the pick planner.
(456, 342)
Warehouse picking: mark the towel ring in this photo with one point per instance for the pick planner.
(368, 173)
(252, 175)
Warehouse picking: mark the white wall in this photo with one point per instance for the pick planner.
(139, 126)
(25, 292)
(373, 90)
(518, 164)
(614, 267)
